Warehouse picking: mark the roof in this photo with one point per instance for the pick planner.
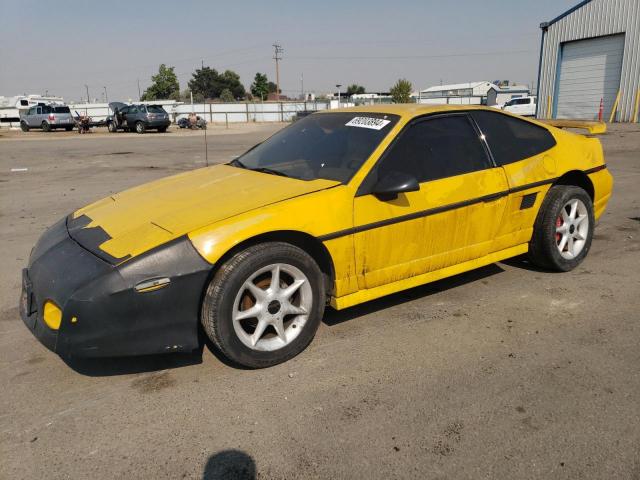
(407, 110)
(544, 25)
(455, 86)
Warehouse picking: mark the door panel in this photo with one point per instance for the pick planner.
(443, 224)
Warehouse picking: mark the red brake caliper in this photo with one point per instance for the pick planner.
(558, 224)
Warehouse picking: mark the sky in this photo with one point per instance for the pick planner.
(59, 47)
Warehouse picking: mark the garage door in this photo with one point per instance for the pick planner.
(589, 70)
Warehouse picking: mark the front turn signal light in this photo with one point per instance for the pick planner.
(52, 315)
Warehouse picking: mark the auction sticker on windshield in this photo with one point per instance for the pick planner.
(368, 122)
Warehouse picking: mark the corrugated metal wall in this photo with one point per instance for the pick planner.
(595, 19)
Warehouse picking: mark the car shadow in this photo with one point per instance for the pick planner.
(522, 261)
(334, 317)
(106, 367)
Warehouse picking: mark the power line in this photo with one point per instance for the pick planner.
(401, 57)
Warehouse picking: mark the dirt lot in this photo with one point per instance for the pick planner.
(505, 372)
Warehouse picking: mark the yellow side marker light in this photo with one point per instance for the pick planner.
(52, 315)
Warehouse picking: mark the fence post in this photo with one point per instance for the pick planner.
(226, 119)
(247, 107)
(281, 112)
(210, 114)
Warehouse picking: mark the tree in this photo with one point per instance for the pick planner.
(226, 95)
(355, 89)
(164, 85)
(401, 91)
(273, 87)
(209, 83)
(231, 81)
(260, 86)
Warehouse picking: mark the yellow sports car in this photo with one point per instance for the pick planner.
(341, 207)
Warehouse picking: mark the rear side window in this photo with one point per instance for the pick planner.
(436, 148)
(61, 110)
(155, 109)
(511, 139)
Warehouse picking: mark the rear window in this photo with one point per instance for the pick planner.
(155, 109)
(511, 139)
(61, 110)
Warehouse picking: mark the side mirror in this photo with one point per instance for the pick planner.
(394, 183)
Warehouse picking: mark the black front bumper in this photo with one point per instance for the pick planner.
(102, 313)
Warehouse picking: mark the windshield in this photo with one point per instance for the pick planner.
(332, 146)
(155, 109)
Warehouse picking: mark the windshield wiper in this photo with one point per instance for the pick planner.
(269, 171)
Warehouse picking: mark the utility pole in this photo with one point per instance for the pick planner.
(106, 97)
(139, 94)
(338, 87)
(87, 87)
(302, 86)
(277, 51)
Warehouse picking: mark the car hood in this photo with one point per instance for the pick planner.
(129, 223)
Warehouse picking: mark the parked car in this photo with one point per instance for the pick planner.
(47, 117)
(525, 106)
(137, 117)
(339, 208)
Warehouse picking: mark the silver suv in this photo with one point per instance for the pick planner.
(47, 117)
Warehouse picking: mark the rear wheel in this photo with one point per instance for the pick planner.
(264, 304)
(162, 129)
(111, 126)
(46, 127)
(140, 128)
(68, 129)
(24, 127)
(563, 230)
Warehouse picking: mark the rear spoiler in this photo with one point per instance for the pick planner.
(594, 128)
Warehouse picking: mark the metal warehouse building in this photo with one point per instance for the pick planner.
(588, 54)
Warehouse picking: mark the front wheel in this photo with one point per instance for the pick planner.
(162, 129)
(140, 128)
(563, 230)
(111, 126)
(24, 127)
(263, 306)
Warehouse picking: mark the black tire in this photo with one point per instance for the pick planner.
(162, 129)
(68, 129)
(140, 127)
(219, 303)
(111, 126)
(24, 127)
(543, 247)
(46, 127)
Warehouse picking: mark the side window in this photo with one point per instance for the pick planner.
(436, 148)
(511, 139)
(38, 110)
(133, 109)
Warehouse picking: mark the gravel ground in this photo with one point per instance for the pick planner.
(503, 372)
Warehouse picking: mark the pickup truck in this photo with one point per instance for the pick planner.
(525, 106)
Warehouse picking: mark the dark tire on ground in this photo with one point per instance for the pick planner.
(24, 127)
(162, 129)
(140, 128)
(112, 127)
(544, 245)
(68, 129)
(46, 127)
(219, 303)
